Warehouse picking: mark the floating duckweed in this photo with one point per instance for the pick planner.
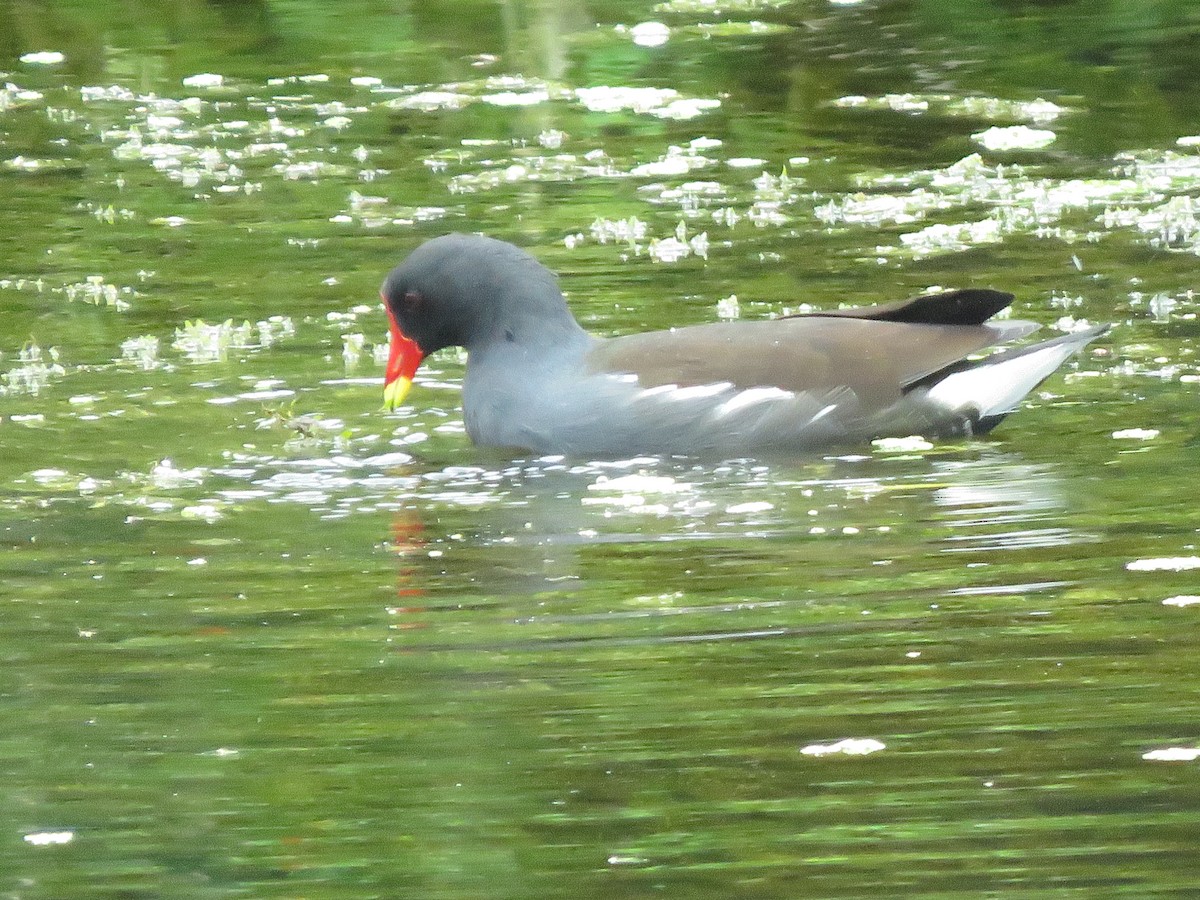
(35, 165)
(1173, 754)
(1164, 564)
(202, 342)
(715, 7)
(668, 250)
(21, 284)
(12, 96)
(209, 511)
(676, 161)
(95, 290)
(1039, 111)
(49, 838)
(36, 370)
(846, 746)
(111, 93)
(143, 351)
(1014, 137)
(43, 58)
(912, 444)
(1018, 204)
(352, 349)
(664, 103)
(941, 238)
(166, 476)
(627, 231)
(204, 80)
(429, 101)
(749, 507)
(1182, 600)
(516, 98)
(650, 34)
(898, 102)
(615, 100)
(374, 212)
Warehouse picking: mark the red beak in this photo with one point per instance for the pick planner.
(402, 364)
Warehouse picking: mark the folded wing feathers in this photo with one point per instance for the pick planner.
(971, 306)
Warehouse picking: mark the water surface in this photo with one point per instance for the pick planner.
(262, 639)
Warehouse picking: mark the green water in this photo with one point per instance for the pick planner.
(259, 638)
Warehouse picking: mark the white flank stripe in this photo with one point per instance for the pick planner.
(823, 413)
(752, 396)
(656, 391)
(699, 391)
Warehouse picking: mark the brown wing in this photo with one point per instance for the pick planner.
(877, 359)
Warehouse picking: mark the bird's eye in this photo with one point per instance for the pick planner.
(412, 301)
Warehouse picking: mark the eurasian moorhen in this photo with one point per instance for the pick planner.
(537, 381)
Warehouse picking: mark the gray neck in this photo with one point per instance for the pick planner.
(531, 321)
(519, 363)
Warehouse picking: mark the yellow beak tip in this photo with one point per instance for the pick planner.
(394, 392)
